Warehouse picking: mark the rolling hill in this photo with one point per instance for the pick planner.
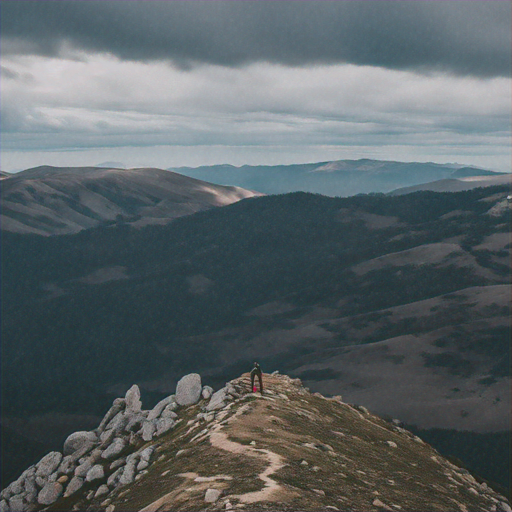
(62, 200)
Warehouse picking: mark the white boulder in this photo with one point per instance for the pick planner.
(188, 389)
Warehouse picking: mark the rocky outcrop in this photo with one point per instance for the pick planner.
(104, 458)
(188, 390)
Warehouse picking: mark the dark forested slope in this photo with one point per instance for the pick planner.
(299, 281)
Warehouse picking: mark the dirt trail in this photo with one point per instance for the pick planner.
(272, 491)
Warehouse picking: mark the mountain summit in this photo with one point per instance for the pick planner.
(235, 449)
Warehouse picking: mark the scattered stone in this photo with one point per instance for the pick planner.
(128, 475)
(67, 465)
(132, 399)
(4, 506)
(159, 407)
(114, 477)
(212, 495)
(319, 492)
(50, 493)
(275, 372)
(95, 473)
(118, 423)
(163, 425)
(117, 446)
(392, 444)
(304, 463)
(48, 464)
(168, 412)
(148, 429)
(377, 503)
(134, 422)
(102, 490)
(207, 392)
(17, 503)
(146, 453)
(118, 405)
(143, 464)
(188, 389)
(63, 479)
(253, 443)
(217, 401)
(110, 508)
(504, 507)
(118, 463)
(78, 440)
(83, 469)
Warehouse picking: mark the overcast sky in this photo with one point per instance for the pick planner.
(171, 83)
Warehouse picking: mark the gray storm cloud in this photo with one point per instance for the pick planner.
(460, 37)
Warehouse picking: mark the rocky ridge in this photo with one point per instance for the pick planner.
(286, 449)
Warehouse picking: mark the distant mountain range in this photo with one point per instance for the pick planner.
(338, 178)
(62, 200)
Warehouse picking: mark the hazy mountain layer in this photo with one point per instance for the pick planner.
(457, 184)
(62, 200)
(338, 178)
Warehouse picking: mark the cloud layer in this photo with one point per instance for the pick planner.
(465, 38)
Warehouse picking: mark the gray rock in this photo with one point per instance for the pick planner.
(117, 446)
(14, 488)
(40, 481)
(134, 422)
(102, 490)
(212, 495)
(118, 422)
(129, 470)
(188, 389)
(83, 469)
(275, 372)
(132, 399)
(159, 407)
(114, 477)
(95, 473)
(50, 493)
(118, 463)
(106, 437)
(148, 429)
(143, 464)
(118, 405)
(30, 486)
(217, 401)
(163, 425)
(48, 464)
(147, 452)
(168, 412)
(78, 440)
(74, 485)
(504, 507)
(4, 506)
(207, 392)
(17, 504)
(67, 465)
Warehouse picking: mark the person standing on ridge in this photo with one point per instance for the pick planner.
(256, 371)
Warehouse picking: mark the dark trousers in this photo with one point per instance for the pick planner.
(260, 379)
